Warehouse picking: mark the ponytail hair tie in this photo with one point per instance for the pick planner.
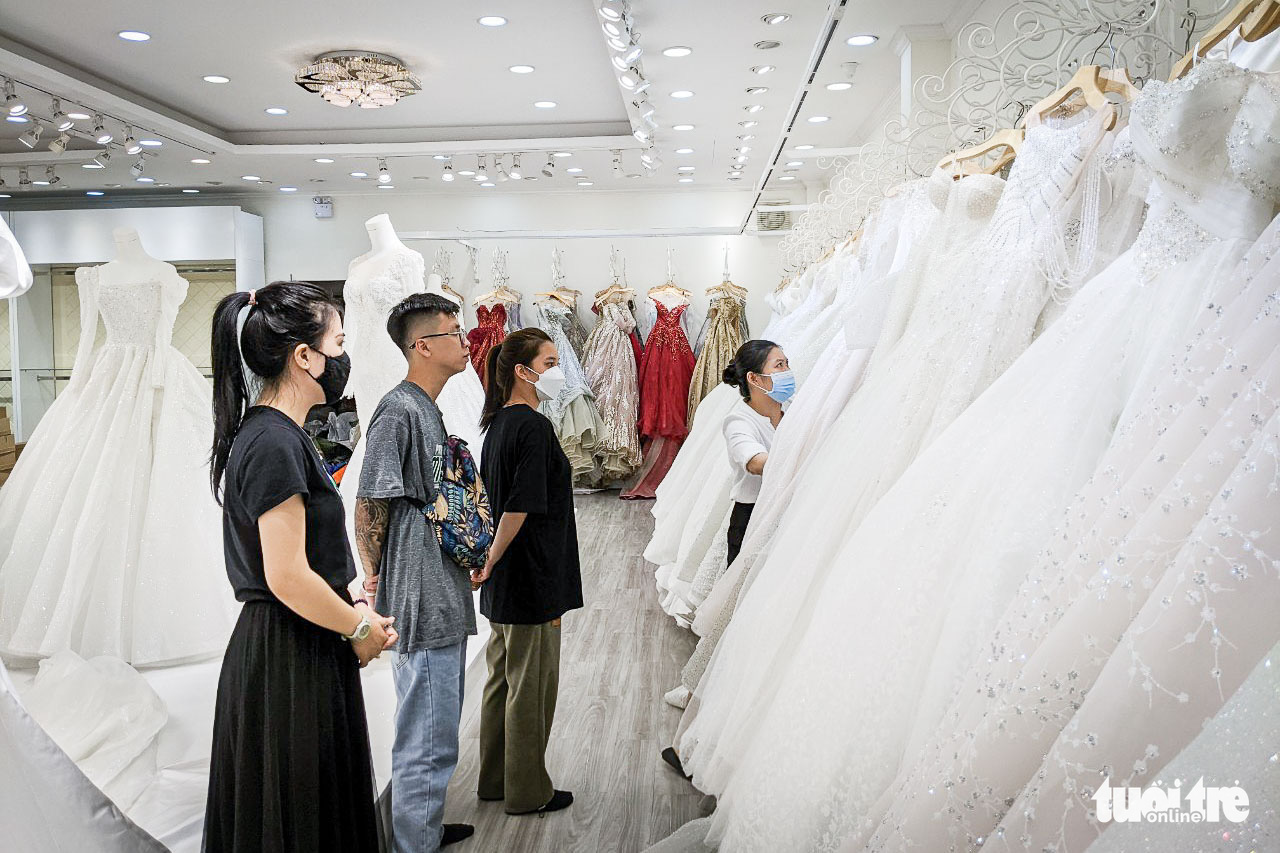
(253, 297)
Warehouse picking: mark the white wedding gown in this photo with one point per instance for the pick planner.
(378, 365)
(110, 536)
(922, 582)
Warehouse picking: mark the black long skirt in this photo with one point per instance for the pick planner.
(290, 768)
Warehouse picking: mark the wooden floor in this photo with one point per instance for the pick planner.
(620, 653)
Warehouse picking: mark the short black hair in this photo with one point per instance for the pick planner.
(412, 307)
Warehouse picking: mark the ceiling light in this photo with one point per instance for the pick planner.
(14, 105)
(384, 177)
(743, 149)
(861, 41)
(145, 180)
(768, 45)
(754, 108)
(547, 169)
(466, 173)
(818, 119)
(839, 87)
(761, 69)
(17, 119)
(757, 90)
(150, 143)
(686, 169)
(93, 165)
(131, 145)
(521, 69)
(23, 180)
(613, 29)
(545, 105)
(359, 174)
(684, 150)
(641, 135)
(79, 116)
(677, 51)
(95, 192)
(735, 174)
(486, 183)
(57, 146)
(215, 78)
(41, 183)
(741, 158)
(324, 159)
(514, 172)
(61, 121)
(682, 93)
(288, 189)
(250, 178)
(133, 35)
(201, 161)
(447, 174)
(100, 134)
(685, 180)
(630, 55)
(776, 18)
(682, 127)
(138, 168)
(191, 192)
(491, 21)
(574, 170)
(102, 159)
(50, 177)
(794, 164)
(32, 136)
(5, 195)
(612, 10)
(746, 136)
(631, 79)
(359, 78)
(787, 178)
(619, 42)
(804, 147)
(481, 173)
(276, 111)
(586, 183)
(563, 153)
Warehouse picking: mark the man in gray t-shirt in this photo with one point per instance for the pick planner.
(413, 580)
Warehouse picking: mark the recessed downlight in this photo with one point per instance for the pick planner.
(276, 111)
(684, 150)
(839, 86)
(250, 177)
(201, 161)
(324, 159)
(564, 154)
(818, 119)
(288, 189)
(787, 178)
(757, 90)
(521, 69)
(386, 187)
(682, 127)
(150, 143)
(681, 94)
(686, 168)
(95, 192)
(677, 51)
(145, 180)
(215, 78)
(792, 164)
(685, 180)
(191, 192)
(804, 147)
(762, 69)
(574, 170)
(774, 18)
(748, 123)
(79, 116)
(586, 183)
(491, 21)
(92, 166)
(466, 173)
(861, 40)
(359, 174)
(486, 183)
(754, 108)
(134, 35)
(545, 105)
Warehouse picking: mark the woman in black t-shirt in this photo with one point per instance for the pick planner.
(290, 767)
(532, 576)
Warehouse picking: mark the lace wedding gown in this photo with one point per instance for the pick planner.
(974, 315)
(378, 365)
(573, 412)
(927, 575)
(110, 536)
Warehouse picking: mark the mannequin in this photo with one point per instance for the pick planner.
(15, 275)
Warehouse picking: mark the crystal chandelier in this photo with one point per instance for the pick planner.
(368, 80)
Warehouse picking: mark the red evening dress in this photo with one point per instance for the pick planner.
(666, 369)
(490, 330)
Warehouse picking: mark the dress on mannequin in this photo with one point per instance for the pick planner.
(15, 275)
(376, 283)
(111, 538)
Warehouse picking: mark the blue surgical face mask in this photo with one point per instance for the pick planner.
(784, 386)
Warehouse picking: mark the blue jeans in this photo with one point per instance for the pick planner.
(428, 711)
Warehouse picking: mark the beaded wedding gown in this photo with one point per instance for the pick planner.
(378, 365)
(611, 372)
(925, 577)
(973, 317)
(110, 536)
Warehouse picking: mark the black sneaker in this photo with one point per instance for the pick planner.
(559, 800)
(455, 832)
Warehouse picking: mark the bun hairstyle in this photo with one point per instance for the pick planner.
(281, 315)
(519, 347)
(750, 358)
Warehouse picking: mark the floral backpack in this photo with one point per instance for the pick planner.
(464, 524)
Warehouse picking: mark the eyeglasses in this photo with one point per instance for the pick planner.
(460, 335)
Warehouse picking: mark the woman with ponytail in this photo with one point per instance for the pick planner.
(290, 766)
(532, 576)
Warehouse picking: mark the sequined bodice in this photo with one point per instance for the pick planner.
(491, 320)
(667, 333)
(134, 314)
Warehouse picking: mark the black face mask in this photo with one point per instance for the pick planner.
(333, 379)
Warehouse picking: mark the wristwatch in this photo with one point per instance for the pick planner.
(362, 630)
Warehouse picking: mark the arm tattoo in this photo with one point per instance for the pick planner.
(372, 518)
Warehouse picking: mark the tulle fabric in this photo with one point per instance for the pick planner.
(573, 413)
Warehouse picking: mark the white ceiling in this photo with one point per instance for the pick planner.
(470, 101)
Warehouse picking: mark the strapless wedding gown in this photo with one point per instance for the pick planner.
(378, 365)
(110, 536)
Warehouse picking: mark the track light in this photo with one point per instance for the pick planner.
(613, 29)
(138, 168)
(24, 181)
(32, 137)
(131, 145)
(630, 55)
(61, 121)
(13, 105)
(501, 176)
(447, 174)
(384, 177)
(612, 10)
(482, 174)
(514, 172)
(50, 176)
(617, 163)
(548, 170)
(100, 134)
(58, 145)
(103, 159)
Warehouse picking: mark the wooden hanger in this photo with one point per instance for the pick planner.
(564, 299)
(499, 294)
(727, 288)
(457, 297)
(967, 161)
(670, 287)
(1092, 84)
(1254, 18)
(613, 293)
